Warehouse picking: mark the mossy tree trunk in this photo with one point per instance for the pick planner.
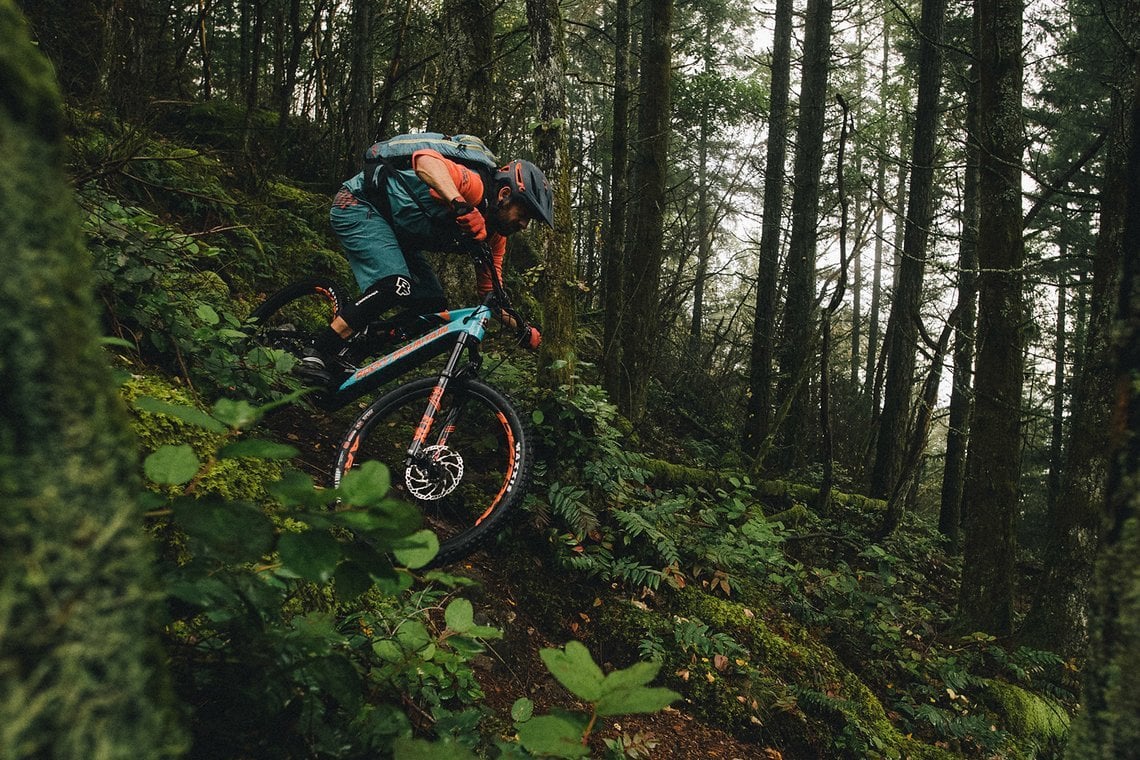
(556, 289)
(797, 433)
(358, 126)
(961, 394)
(80, 669)
(644, 247)
(1109, 727)
(463, 83)
(613, 264)
(759, 410)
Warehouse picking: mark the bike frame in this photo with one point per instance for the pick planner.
(460, 330)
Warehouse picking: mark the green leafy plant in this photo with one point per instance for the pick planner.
(432, 667)
(164, 296)
(259, 638)
(567, 734)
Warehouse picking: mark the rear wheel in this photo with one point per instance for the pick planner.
(474, 467)
(287, 321)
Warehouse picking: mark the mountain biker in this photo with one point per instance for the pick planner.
(437, 204)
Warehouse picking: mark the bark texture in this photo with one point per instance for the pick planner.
(645, 238)
(1109, 727)
(760, 379)
(993, 459)
(796, 343)
(79, 666)
(613, 267)
(556, 289)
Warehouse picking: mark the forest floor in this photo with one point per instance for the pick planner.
(512, 667)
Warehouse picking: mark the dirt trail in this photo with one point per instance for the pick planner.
(512, 667)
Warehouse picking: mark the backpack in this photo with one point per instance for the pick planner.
(395, 154)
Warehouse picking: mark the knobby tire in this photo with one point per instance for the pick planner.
(290, 318)
(477, 479)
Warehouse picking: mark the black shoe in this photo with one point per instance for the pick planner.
(313, 369)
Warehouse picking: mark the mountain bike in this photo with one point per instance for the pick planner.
(455, 445)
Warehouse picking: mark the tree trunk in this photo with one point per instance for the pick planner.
(794, 352)
(1109, 726)
(857, 253)
(961, 393)
(82, 673)
(463, 83)
(994, 456)
(387, 102)
(287, 78)
(704, 246)
(358, 124)
(914, 450)
(904, 316)
(253, 77)
(555, 290)
(645, 238)
(204, 46)
(1058, 617)
(758, 416)
(1057, 426)
(704, 228)
(827, 442)
(613, 269)
(877, 265)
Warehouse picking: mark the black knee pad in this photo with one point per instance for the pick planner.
(394, 291)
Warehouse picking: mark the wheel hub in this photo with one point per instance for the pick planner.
(435, 475)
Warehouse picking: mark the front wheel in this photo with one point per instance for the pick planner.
(474, 467)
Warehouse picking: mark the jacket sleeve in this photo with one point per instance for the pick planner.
(467, 182)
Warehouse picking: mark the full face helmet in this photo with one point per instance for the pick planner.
(529, 184)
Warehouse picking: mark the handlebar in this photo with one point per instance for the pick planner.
(528, 336)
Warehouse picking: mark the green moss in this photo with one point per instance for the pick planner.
(1030, 717)
(798, 493)
(234, 479)
(798, 687)
(793, 515)
(309, 258)
(297, 199)
(781, 492)
(199, 287)
(28, 92)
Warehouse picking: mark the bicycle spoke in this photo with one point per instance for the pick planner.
(473, 468)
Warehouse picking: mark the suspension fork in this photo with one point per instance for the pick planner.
(427, 421)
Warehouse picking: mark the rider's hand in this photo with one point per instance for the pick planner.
(530, 338)
(470, 222)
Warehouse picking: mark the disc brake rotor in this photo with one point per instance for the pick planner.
(437, 475)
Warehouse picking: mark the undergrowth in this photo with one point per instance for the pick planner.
(297, 638)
